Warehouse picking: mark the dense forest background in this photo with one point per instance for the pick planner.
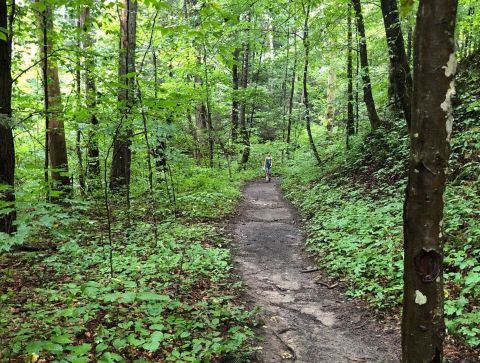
(154, 115)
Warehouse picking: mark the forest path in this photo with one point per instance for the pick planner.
(303, 321)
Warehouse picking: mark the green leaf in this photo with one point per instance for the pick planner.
(151, 346)
(81, 349)
(109, 357)
(62, 339)
(150, 296)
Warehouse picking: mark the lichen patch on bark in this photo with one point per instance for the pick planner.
(420, 299)
(451, 66)
(446, 106)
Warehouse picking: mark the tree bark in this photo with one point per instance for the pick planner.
(93, 164)
(57, 146)
(191, 10)
(284, 90)
(409, 44)
(243, 103)
(306, 46)
(357, 81)
(122, 154)
(7, 148)
(398, 57)
(235, 105)
(423, 326)
(350, 117)
(78, 81)
(292, 94)
(332, 77)
(367, 86)
(208, 109)
(255, 80)
(393, 103)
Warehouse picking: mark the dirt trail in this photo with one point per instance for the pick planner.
(303, 321)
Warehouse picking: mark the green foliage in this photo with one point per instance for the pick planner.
(353, 206)
(161, 289)
(171, 298)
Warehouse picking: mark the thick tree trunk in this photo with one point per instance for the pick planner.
(423, 326)
(235, 105)
(93, 164)
(398, 57)
(367, 86)
(243, 103)
(350, 117)
(306, 46)
(7, 149)
(57, 146)
(122, 154)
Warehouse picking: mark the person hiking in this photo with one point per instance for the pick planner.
(267, 165)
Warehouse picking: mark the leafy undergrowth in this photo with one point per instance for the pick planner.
(353, 205)
(163, 289)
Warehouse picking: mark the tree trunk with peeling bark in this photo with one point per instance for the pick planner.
(423, 326)
(7, 148)
(122, 155)
(367, 86)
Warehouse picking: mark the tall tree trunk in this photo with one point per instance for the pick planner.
(243, 103)
(357, 81)
(350, 117)
(393, 103)
(306, 46)
(78, 81)
(292, 94)
(423, 326)
(284, 90)
(208, 109)
(122, 154)
(398, 56)
(7, 148)
(235, 82)
(332, 77)
(367, 86)
(192, 13)
(57, 146)
(409, 44)
(255, 79)
(93, 165)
